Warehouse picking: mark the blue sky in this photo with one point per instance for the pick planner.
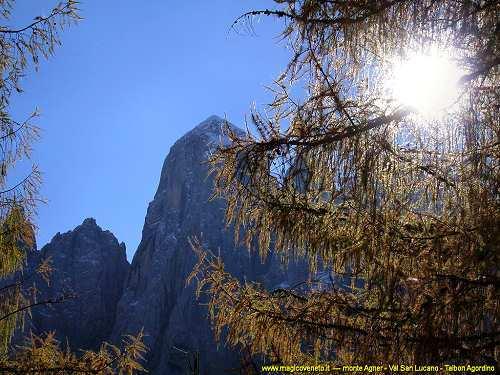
(129, 80)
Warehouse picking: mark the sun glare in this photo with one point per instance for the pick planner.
(427, 82)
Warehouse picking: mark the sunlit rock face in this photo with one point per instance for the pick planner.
(89, 263)
(156, 296)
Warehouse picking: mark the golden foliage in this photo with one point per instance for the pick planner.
(405, 206)
(39, 355)
(18, 200)
(43, 355)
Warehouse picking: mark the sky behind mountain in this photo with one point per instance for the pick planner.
(128, 81)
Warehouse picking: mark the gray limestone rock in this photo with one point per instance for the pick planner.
(89, 263)
(114, 298)
(156, 296)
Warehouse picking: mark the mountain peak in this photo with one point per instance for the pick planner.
(89, 221)
(212, 124)
(90, 263)
(213, 118)
(213, 129)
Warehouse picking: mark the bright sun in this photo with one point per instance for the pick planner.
(426, 82)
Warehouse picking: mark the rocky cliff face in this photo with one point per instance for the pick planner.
(156, 296)
(114, 298)
(90, 263)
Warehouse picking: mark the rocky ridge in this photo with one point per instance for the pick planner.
(91, 265)
(115, 298)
